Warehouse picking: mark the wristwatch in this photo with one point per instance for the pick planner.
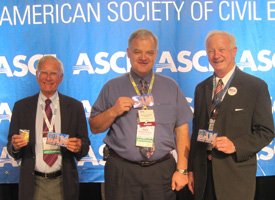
(182, 171)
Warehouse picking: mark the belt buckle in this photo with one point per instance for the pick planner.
(146, 163)
(45, 176)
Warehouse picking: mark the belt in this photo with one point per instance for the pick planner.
(48, 175)
(141, 163)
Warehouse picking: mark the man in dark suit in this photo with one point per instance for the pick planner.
(47, 171)
(238, 109)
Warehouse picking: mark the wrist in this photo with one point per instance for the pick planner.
(182, 171)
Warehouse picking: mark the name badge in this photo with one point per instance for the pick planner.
(206, 136)
(57, 139)
(50, 149)
(143, 100)
(146, 115)
(145, 134)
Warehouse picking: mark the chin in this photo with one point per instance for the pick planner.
(218, 67)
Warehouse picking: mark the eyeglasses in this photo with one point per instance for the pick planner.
(51, 74)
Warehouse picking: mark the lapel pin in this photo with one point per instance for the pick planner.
(232, 91)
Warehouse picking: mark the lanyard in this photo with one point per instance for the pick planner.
(217, 102)
(135, 85)
(49, 125)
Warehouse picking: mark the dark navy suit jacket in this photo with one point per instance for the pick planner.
(246, 119)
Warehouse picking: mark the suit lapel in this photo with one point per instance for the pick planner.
(65, 112)
(227, 98)
(31, 109)
(208, 95)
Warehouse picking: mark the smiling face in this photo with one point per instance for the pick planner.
(221, 55)
(142, 54)
(49, 76)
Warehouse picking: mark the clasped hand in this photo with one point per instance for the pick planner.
(122, 105)
(224, 144)
(74, 145)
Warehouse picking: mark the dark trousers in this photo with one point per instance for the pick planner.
(129, 181)
(209, 193)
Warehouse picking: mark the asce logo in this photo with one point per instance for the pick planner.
(184, 62)
(5, 112)
(18, 62)
(103, 66)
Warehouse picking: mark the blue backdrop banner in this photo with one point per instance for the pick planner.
(90, 38)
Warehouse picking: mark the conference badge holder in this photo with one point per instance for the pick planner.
(206, 136)
(146, 120)
(145, 134)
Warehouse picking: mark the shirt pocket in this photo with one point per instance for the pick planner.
(165, 113)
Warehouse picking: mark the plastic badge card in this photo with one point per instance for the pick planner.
(25, 133)
(206, 136)
(143, 100)
(57, 139)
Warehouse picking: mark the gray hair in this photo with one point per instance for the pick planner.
(142, 33)
(49, 57)
(231, 38)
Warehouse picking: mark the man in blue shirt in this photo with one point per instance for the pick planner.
(143, 111)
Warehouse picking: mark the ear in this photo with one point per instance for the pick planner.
(37, 75)
(128, 52)
(61, 79)
(235, 51)
(156, 55)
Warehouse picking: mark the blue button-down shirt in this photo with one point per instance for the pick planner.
(170, 108)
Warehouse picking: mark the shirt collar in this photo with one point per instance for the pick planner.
(53, 98)
(226, 78)
(146, 78)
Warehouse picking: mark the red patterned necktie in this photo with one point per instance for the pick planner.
(146, 151)
(48, 158)
(219, 89)
(217, 95)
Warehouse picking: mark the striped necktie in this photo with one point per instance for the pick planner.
(218, 92)
(48, 158)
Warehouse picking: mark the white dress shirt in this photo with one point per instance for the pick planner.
(40, 164)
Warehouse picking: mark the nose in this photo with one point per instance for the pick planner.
(143, 56)
(49, 76)
(216, 54)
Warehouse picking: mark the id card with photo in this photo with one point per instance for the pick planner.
(57, 139)
(206, 136)
(143, 100)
